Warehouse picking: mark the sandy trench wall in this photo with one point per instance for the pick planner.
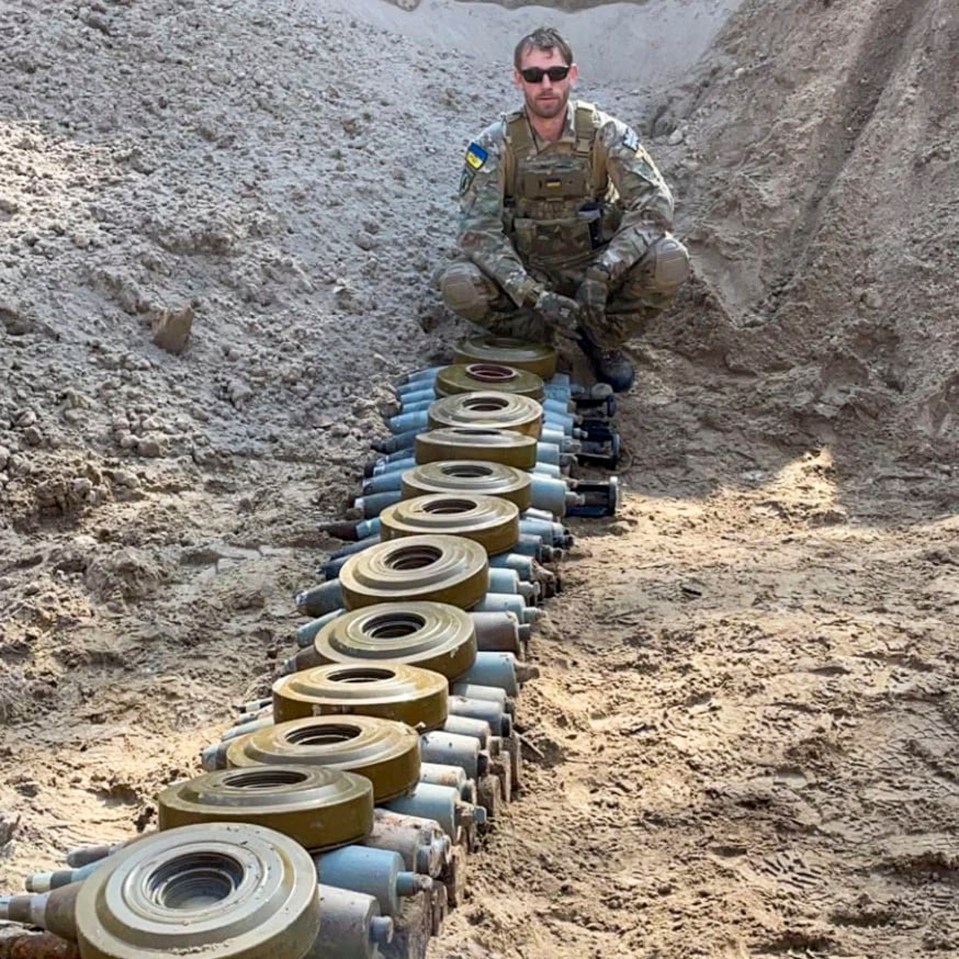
(819, 185)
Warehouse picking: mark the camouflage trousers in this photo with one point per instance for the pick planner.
(641, 293)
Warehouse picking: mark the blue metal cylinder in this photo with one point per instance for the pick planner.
(374, 872)
(320, 599)
(493, 713)
(441, 803)
(375, 503)
(492, 694)
(306, 633)
(504, 603)
(440, 774)
(523, 565)
(499, 669)
(448, 749)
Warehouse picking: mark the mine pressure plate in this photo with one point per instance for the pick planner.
(519, 354)
(477, 443)
(491, 521)
(385, 752)
(442, 569)
(317, 806)
(389, 690)
(487, 408)
(434, 636)
(214, 890)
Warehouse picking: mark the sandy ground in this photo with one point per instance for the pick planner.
(743, 740)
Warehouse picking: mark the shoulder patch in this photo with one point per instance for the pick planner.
(476, 156)
(630, 140)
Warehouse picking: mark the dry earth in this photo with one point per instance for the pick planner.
(745, 734)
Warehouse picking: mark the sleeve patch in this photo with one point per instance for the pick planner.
(630, 140)
(476, 156)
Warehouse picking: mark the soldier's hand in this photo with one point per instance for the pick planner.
(592, 295)
(560, 312)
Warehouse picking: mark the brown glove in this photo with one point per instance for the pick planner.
(561, 313)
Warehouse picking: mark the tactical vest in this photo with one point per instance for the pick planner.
(559, 206)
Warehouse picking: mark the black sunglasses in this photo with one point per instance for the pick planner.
(536, 74)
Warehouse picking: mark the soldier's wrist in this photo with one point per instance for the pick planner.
(598, 272)
(528, 292)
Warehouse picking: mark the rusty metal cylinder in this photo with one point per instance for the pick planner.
(442, 775)
(83, 855)
(53, 911)
(42, 945)
(423, 843)
(498, 633)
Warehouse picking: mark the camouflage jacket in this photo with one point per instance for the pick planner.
(594, 195)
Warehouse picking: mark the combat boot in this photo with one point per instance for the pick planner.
(610, 366)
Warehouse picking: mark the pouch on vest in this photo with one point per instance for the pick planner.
(551, 243)
(561, 185)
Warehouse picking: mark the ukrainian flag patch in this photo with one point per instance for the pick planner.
(476, 156)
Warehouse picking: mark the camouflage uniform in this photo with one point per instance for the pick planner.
(535, 214)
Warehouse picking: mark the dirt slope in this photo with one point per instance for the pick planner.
(743, 741)
(820, 181)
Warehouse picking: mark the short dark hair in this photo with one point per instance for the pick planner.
(543, 38)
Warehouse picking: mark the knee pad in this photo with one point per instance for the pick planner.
(465, 291)
(670, 266)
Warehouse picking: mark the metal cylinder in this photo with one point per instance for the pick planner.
(54, 911)
(379, 873)
(497, 632)
(507, 603)
(422, 842)
(375, 503)
(440, 774)
(441, 803)
(494, 694)
(472, 728)
(492, 713)
(45, 881)
(523, 565)
(451, 749)
(306, 633)
(83, 855)
(45, 945)
(351, 926)
(499, 669)
(321, 599)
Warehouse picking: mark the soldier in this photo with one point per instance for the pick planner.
(564, 224)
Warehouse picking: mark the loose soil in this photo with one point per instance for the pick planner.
(743, 740)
